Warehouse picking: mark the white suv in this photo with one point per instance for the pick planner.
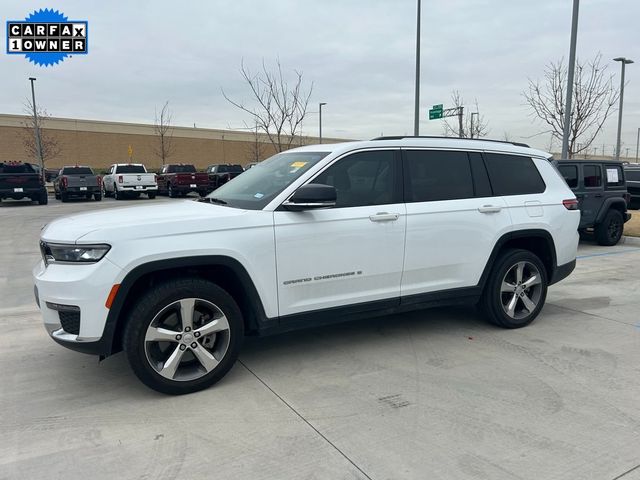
(314, 235)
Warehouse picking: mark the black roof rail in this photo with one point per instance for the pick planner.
(401, 137)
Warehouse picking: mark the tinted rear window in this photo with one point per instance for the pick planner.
(632, 175)
(182, 169)
(570, 174)
(130, 169)
(17, 168)
(513, 175)
(77, 171)
(230, 169)
(433, 175)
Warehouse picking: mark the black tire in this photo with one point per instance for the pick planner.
(56, 195)
(97, 197)
(171, 192)
(116, 194)
(495, 302)
(610, 230)
(64, 197)
(43, 199)
(153, 305)
(151, 195)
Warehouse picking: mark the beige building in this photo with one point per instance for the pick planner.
(99, 144)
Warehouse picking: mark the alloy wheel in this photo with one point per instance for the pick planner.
(187, 339)
(521, 290)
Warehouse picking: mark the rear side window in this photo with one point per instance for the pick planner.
(592, 176)
(130, 169)
(513, 175)
(614, 175)
(76, 171)
(570, 174)
(434, 175)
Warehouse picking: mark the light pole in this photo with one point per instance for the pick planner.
(624, 62)
(321, 104)
(572, 66)
(416, 113)
(36, 126)
(637, 144)
(472, 114)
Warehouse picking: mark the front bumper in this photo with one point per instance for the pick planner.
(85, 286)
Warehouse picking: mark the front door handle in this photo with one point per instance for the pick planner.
(384, 217)
(489, 209)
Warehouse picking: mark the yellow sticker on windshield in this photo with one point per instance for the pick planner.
(298, 164)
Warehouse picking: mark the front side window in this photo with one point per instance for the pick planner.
(570, 174)
(592, 176)
(513, 175)
(363, 178)
(437, 175)
(614, 175)
(254, 189)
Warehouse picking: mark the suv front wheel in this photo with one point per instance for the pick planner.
(183, 336)
(516, 289)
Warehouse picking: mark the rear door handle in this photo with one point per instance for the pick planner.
(489, 209)
(384, 217)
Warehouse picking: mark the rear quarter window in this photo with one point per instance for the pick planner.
(570, 174)
(513, 175)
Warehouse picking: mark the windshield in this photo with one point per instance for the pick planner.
(255, 188)
(17, 168)
(77, 171)
(130, 169)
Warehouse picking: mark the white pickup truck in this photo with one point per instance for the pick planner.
(129, 179)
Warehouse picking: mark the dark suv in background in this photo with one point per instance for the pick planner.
(632, 176)
(601, 190)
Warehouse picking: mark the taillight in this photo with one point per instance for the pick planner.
(155, 179)
(570, 204)
(120, 179)
(99, 181)
(64, 182)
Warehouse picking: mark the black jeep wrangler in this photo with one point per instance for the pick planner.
(632, 175)
(601, 190)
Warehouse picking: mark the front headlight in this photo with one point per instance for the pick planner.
(52, 253)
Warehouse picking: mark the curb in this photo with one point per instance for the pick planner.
(626, 240)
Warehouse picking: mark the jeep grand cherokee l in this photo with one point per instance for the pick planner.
(313, 235)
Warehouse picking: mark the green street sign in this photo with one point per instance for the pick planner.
(435, 114)
(437, 107)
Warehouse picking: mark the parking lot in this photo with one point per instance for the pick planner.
(436, 394)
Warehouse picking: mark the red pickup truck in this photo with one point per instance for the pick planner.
(181, 179)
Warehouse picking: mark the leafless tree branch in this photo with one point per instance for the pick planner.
(50, 146)
(162, 127)
(594, 98)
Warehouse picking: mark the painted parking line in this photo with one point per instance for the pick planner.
(607, 253)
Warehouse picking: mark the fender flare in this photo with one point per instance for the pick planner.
(609, 203)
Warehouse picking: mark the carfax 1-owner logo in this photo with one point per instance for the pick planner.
(47, 37)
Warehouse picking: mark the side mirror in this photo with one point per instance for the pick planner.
(312, 195)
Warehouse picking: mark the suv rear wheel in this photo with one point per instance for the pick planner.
(609, 231)
(516, 289)
(183, 336)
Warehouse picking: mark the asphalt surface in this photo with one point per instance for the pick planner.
(436, 394)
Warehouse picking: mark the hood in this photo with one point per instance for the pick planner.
(164, 218)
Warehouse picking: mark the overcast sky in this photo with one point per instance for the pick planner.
(359, 54)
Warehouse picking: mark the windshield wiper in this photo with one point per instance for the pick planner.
(212, 200)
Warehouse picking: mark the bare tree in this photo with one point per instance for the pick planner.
(594, 99)
(162, 127)
(50, 146)
(280, 106)
(255, 149)
(476, 128)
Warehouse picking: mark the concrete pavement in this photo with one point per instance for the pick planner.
(437, 394)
